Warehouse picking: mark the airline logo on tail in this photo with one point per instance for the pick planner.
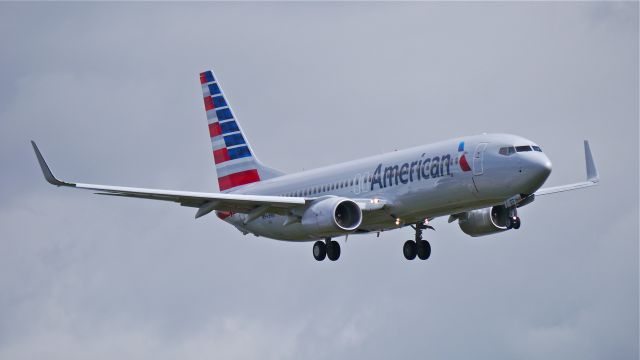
(234, 162)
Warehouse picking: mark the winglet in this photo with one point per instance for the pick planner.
(48, 175)
(592, 172)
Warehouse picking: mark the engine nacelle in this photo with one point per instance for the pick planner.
(484, 221)
(331, 216)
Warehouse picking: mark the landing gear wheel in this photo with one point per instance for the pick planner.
(516, 223)
(509, 223)
(424, 249)
(333, 250)
(409, 250)
(319, 250)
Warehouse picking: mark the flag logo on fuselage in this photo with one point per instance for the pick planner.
(464, 165)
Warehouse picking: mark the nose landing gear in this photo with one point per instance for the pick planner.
(513, 221)
(419, 247)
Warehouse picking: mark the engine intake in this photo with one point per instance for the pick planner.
(332, 216)
(484, 221)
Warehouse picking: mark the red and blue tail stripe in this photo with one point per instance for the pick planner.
(234, 161)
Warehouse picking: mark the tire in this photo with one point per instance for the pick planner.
(333, 251)
(409, 249)
(424, 249)
(516, 223)
(319, 250)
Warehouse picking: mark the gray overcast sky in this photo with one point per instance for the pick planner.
(111, 93)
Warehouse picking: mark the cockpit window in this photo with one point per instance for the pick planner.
(523, 148)
(536, 148)
(507, 150)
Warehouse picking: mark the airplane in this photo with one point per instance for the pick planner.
(479, 181)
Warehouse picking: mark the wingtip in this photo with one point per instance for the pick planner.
(48, 175)
(592, 170)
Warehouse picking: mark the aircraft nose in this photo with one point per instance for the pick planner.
(540, 168)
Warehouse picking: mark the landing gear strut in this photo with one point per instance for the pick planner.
(328, 248)
(419, 247)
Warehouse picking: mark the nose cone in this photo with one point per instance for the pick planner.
(537, 170)
(542, 167)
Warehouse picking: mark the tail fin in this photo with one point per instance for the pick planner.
(236, 163)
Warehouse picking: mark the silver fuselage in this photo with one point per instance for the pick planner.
(423, 182)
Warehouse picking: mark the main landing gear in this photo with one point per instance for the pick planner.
(419, 247)
(329, 248)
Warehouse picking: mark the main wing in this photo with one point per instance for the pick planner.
(205, 202)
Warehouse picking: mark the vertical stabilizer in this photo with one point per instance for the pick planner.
(235, 161)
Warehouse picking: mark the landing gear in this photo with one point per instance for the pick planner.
(513, 221)
(328, 248)
(409, 250)
(424, 249)
(419, 247)
(319, 250)
(333, 250)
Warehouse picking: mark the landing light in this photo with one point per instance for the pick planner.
(397, 221)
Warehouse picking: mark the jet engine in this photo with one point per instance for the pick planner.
(331, 216)
(484, 221)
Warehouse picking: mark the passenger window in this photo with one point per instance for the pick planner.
(523, 148)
